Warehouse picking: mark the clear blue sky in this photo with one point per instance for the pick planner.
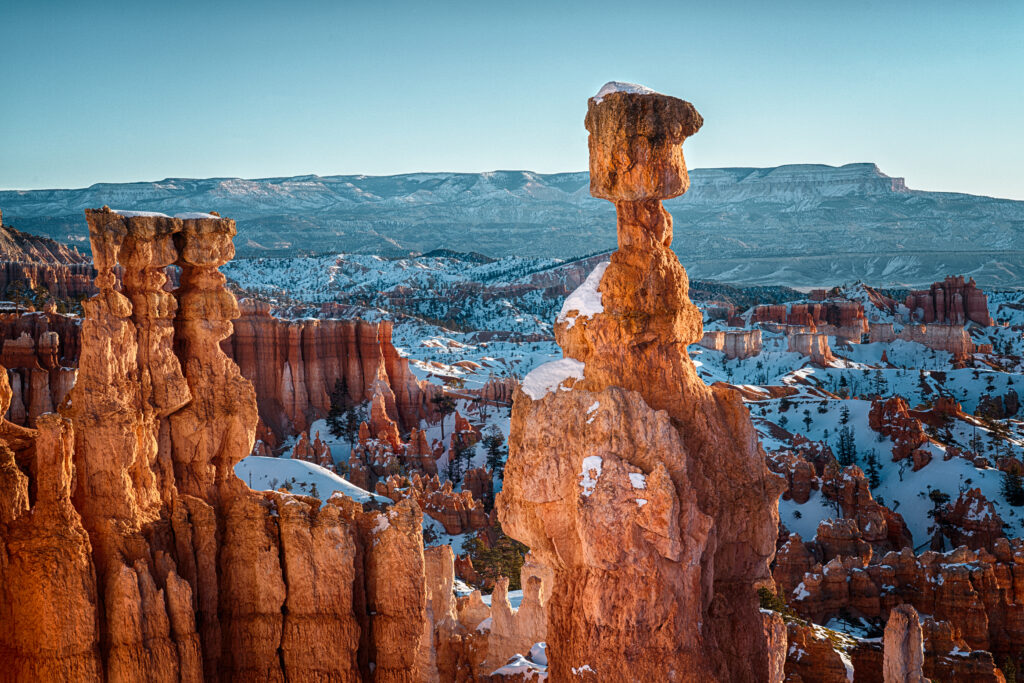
(123, 91)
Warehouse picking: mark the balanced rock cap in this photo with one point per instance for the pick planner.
(636, 137)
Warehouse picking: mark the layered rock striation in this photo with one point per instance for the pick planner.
(620, 456)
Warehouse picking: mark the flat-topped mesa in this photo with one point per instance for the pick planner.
(643, 489)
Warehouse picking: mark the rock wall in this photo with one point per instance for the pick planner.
(620, 456)
(295, 366)
(814, 345)
(130, 551)
(980, 594)
(941, 337)
(733, 343)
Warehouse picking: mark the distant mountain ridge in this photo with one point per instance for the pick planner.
(20, 247)
(799, 225)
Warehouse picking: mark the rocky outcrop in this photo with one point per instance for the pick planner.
(33, 262)
(295, 366)
(819, 654)
(891, 417)
(457, 511)
(952, 301)
(811, 344)
(843, 319)
(130, 551)
(971, 521)
(903, 647)
(315, 451)
(733, 343)
(621, 456)
(23, 247)
(977, 592)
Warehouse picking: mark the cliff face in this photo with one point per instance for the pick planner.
(620, 456)
(296, 365)
(130, 551)
(733, 343)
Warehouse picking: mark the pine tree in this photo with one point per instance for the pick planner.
(494, 444)
(1012, 488)
(879, 385)
(846, 447)
(445, 406)
(873, 471)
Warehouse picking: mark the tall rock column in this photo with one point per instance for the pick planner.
(642, 488)
(903, 651)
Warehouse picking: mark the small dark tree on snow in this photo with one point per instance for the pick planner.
(807, 420)
(879, 385)
(938, 499)
(494, 444)
(1012, 488)
(445, 406)
(846, 447)
(873, 470)
(454, 469)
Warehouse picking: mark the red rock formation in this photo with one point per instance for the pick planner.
(971, 521)
(316, 451)
(733, 343)
(40, 351)
(892, 418)
(296, 365)
(811, 344)
(904, 647)
(142, 556)
(976, 591)
(952, 301)
(817, 654)
(638, 463)
(941, 337)
(35, 261)
(479, 481)
(881, 333)
(458, 512)
(842, 319)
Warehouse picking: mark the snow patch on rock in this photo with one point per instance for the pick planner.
(585, 299)
(547, 377)
(590, 473)
(621, 86)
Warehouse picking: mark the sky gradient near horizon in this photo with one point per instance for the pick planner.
(135, 91)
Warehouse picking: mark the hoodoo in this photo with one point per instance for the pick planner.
(129, 551)
(642, 488)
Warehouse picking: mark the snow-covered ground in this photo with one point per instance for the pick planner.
(269, 474)
(462, 320)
